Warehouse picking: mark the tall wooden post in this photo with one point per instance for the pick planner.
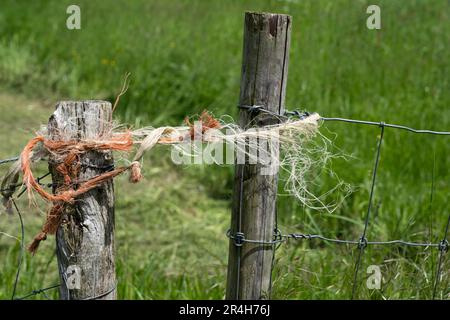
(85, 240)
(263, 83)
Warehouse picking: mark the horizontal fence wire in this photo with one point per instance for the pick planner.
(38, 180)
(43, 290)
(4, 161)
(388, 125)
(36, 292)
(50, 185)
(239, 239)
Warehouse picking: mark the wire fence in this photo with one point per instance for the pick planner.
(278, 237)
(362, 243)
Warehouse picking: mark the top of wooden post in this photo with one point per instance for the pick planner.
(87, 119)
(265, 60)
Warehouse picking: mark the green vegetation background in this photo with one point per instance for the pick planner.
(185, 56)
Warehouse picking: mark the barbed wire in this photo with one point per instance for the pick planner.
(278, 237)
(43, 290)
(36, 292)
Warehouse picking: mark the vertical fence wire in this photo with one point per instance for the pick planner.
(443, 248)
(363, 240)
(22, 249)
(239, 231)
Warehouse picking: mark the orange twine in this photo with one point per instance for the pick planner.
(69, 169)
(207, 121)
(70, 151)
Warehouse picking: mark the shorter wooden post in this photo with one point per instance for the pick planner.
(85, 239)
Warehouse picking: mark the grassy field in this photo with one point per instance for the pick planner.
(185, 56)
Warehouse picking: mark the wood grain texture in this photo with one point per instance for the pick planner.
(263, 83)
(85, 241)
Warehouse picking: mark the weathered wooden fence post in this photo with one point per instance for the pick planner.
(85, 240)
(263, 83)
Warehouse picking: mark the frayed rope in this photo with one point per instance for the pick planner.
(292, 135)
(70, 151)
(69, 169)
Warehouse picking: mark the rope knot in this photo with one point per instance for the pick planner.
(36, 241)
(135, 172)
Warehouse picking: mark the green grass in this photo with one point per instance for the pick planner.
(185, 56)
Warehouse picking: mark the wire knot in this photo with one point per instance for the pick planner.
(362, 243)
(277, 235)
(238, 238)
(443, 245)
